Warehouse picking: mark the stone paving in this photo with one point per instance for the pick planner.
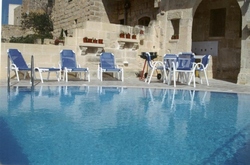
(215, 85)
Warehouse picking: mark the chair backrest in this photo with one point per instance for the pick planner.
(205, 61)
(16, 58)
(149, 60)
(168, 60)
(107, 60)
(185, 61)
(68, 59)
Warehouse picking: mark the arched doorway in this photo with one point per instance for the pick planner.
(217, 29)
(144, 21)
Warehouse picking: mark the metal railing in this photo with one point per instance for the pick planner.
(31, 76)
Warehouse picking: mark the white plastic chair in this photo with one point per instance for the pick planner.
(154, 66)
(169, 61)
(185, 67)
(202, 67)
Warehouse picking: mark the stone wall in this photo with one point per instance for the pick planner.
(9, 31)
(117, 11)
(73, 14)
(18, 15)
(34, 6)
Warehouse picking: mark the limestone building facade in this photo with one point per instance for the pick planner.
(217, 27)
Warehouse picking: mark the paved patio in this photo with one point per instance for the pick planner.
(215, 85)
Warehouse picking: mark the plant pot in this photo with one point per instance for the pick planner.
(122, 35)
(57, 42)
(90, 40)
(100, 41)
(133, 36)
(128, 35)
(85, 39)
(95, 41)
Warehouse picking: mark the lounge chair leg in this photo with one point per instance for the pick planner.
(48, 75)
(98, 77)
(192, 77)
(17, 75)
(200, 77)
(58, 76)
(206, 77)
(66, 77)
(24, 76)
(88, 76)
(174, 79)
(41, 77)
(150, 77)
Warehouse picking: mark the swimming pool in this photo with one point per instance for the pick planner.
(114, 125)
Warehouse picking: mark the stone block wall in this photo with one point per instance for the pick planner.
(9, 31)
(34, 6)
(18, 15)
(73, 14)
(137, 9)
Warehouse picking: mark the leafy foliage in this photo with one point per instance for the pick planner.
(27, 39)
(40, 23)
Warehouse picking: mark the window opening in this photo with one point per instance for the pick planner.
(217, 22)
(121, 21)
(176, 27)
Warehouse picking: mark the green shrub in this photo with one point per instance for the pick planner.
(24, 39)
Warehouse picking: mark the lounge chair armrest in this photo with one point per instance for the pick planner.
(13, 66)
(174, 65)
(194, 64)
(199, 65)
(59, 65)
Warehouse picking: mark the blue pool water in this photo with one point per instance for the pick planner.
(123, 126)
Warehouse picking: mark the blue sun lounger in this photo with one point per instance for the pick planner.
(20, 65)
(68, 64)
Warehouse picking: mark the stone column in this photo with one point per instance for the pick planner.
(244, 75)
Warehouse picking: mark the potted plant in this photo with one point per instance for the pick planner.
(133, 36)
(94, 40)
(85, 39)
(57, 41)
(128, 35)
(89, 40)
(100, 41)
(122, 35)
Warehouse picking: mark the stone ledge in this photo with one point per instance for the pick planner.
(98, 48)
